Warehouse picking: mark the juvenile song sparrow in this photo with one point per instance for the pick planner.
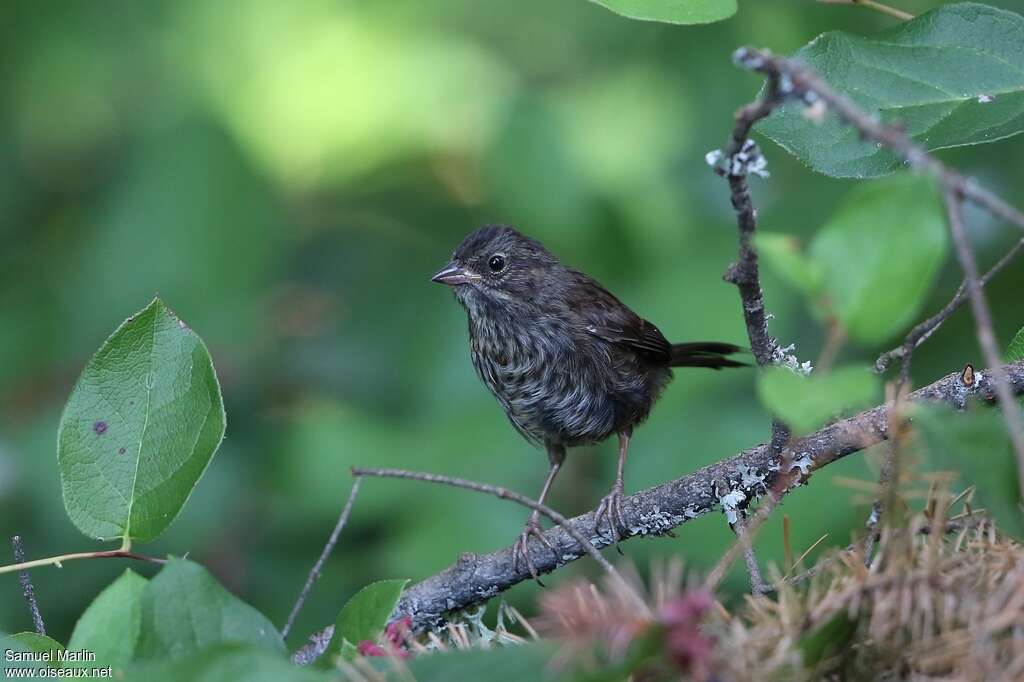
(568, 361)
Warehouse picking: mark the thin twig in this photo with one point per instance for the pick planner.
(924, 330)
(784, 481)
(983, 323)
(757, 585)
(803, 555)
(314, 573)
(505, 494)
(27, 589)
(58, 561)
(741, 157)
(835, 337)
(873, 4)
(883, 509)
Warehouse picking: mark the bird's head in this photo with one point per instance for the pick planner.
(497, 265)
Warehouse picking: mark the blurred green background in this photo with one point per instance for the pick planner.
(287, 176)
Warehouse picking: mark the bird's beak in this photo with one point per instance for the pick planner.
(452, 275)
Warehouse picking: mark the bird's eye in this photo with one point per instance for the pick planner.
(496, 263)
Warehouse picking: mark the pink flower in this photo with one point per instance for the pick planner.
(687, 647)
(395, 635)
(687, 609)
(368, 648)
(396, 632)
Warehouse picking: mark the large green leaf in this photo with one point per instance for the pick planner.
(364, 615)
(185, 609)
(140, 427)
(805, 403)
(952, 76)
(672, 11)
(1015, 351)
(975, 445)
(880, 253)
(109, 628)
(226, 662)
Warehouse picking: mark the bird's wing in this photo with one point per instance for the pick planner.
(609, 319)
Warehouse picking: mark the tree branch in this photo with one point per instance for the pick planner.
(740, 158)
(476, 578)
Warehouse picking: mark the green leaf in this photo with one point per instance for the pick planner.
(501, 664)
(140, 428)
(672, 11)
(880, 252)
(227, 662)
(782, 254)
(952, 76)
(1015, 351)
(805, 403)
(49, 648)
(109, 628)
(21, 655)
(185, 609)
(828, 639)
(975, 445)
(366, 613)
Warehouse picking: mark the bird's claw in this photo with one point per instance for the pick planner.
(521, 550)
(610, 509)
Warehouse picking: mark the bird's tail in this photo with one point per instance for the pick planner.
(710, 354)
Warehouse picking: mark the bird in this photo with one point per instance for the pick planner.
(569, 363)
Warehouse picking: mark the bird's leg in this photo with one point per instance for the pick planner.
(521, 550)
(611, 506)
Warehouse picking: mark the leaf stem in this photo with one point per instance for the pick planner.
(873, 4)
(885, 9)
(59, 560)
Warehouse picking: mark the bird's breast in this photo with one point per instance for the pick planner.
(552, 386)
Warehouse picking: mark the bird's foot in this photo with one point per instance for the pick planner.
(610, 510)
(521, 550)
